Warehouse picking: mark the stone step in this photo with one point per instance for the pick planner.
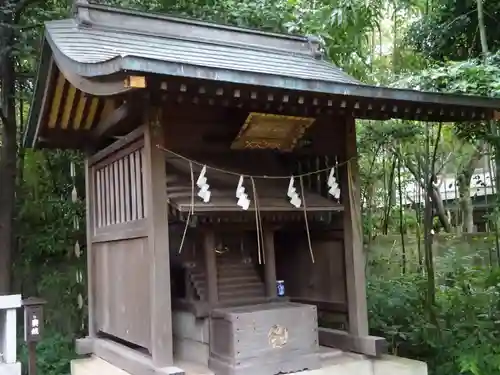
(326, 353)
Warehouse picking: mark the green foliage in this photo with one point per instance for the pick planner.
(449, 30)
(54, 354)
(470, 77)
(479, 77)
(45, 264)
(460, 336)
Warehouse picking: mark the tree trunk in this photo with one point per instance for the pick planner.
(390, 198)
(463, 180)
(466, 207)
(429, 256)
(430, 191)
(418, 215)
(482, 28)
(401, 220)
(435, 196)
(369, 215)
(369, 191)
(8, 151)
(440, 212)
(15, 286)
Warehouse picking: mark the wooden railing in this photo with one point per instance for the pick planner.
(8, 335)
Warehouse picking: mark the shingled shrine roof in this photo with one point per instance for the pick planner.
(100, 43)
(176, 47)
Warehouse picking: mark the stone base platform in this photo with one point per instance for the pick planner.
(334, 362)
(10, 369)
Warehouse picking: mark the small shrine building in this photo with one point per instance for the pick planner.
(222, 189)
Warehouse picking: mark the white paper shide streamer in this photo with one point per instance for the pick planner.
(293, 195)
(334, 188)
(243, 200)
(204, 192)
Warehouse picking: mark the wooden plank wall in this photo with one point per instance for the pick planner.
(323, 280)
(119, 298)
(122, 293)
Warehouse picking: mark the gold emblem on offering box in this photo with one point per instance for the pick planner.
(267, 131)
(278, 336)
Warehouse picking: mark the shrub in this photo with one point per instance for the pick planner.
(460, 334)
(54, 354)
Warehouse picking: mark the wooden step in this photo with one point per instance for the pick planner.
(244, 301)
(235, 272)
(249, 285)
(245, 294)
(198, 277)
(233, 288)
(240, 279)
(228, 274)
(232, 260)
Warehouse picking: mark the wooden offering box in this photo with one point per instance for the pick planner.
(264, 339)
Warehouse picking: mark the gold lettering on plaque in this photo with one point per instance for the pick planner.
(268, 131)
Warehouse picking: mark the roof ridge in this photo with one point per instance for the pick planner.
(90, 15)
(82, 11)
(231, 44)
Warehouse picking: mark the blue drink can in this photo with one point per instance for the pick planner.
(280, 288)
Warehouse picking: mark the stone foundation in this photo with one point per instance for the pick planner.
(191, 337)
(191, 351)
(334, 362)
(10, 369)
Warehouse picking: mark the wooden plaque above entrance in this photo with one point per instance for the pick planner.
(267, 131)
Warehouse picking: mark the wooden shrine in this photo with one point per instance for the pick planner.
(219, 162)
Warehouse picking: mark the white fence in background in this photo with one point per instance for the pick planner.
(482, 184)
(8, 334)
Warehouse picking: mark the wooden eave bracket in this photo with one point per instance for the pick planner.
(107, 124)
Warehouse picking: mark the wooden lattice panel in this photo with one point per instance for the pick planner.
(119, 190)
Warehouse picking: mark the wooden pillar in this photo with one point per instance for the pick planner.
(90, 216)
(211, 266)
(353, 236)
(270, 263)
(156, 212)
